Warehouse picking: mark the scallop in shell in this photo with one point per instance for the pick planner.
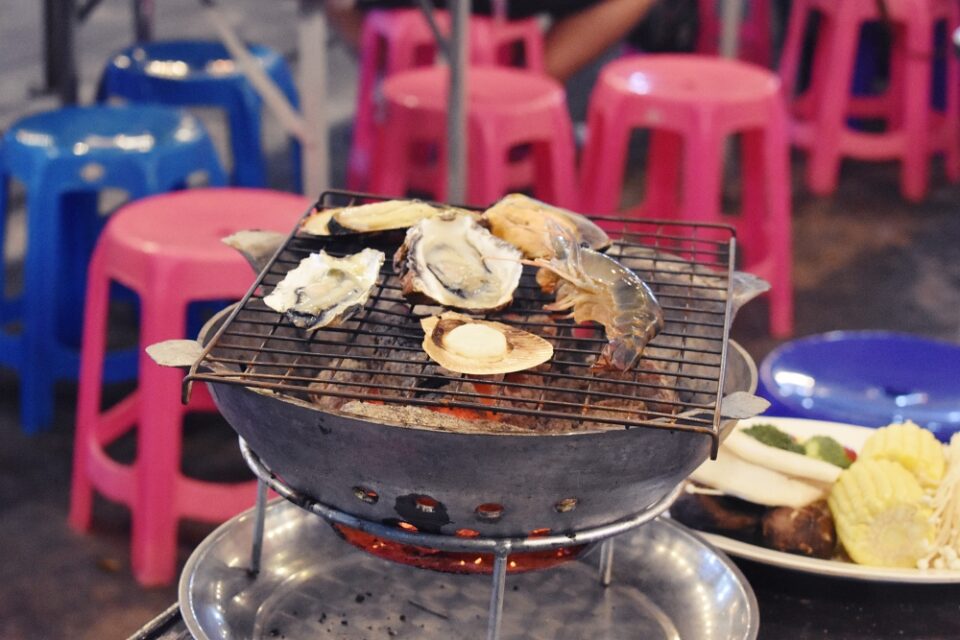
(528, 224)
(323, 290)
(479, 347)
(367, 218)
(453, 261)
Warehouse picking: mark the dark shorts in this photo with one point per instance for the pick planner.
(516, 8)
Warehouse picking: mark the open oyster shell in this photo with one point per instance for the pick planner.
(527, 224)
(368, 218)
(453, 261)
(479, 347)
(323, 290)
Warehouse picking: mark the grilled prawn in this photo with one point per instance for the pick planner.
(601, 289)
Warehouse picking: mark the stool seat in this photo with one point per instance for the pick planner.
(168, 250)
(684, 79)
(691, 104)
(65, 158)
(506, 108)
(94, 144)
(202, 73)
(503, 91)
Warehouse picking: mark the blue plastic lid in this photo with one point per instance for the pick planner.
(869, 378)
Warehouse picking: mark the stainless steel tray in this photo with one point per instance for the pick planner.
(667, 583)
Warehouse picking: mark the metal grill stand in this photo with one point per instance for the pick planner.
(501, 548)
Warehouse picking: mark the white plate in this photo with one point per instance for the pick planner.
(849, 436)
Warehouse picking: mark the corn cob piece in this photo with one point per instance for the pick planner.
(913, 447)
(880, 514)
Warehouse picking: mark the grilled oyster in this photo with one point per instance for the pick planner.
(526, 223)
(453, 261)
(367, 218)
(479, 347)
(323, 290)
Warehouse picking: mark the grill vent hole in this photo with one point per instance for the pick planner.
(366, 495)
(489, 511)
(539, 533)
(467, 533)
(426, 504)
(566, 505)
(406, 526)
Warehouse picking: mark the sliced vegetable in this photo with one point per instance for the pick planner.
(827, 449)
(771, 436)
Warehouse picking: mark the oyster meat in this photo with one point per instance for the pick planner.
(323, 290)
(367, 218)
(479, 347)
(530, 225)
(453, 261)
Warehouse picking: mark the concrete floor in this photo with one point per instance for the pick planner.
(863, 258)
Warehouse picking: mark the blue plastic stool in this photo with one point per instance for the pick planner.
(64, 158)
(201, 73)
(869, 378)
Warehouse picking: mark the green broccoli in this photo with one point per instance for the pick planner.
(771, 436)
(827, 449)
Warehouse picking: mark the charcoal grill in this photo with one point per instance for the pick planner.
(344, 421)
(603, 457)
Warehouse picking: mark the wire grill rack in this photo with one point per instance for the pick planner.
(376, 357)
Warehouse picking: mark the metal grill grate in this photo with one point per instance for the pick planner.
(376, 358)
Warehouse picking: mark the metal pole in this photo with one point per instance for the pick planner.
(143, 20)
(496, 596)
(731, 16)
(59, 20)
(256, 550)
(457, 110)
(312, 47)
(606, 562)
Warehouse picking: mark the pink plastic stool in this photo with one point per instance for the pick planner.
(914, 130)
(167, 249)
(756, 31)
(691, 104)
(506, 108)
(400, 39)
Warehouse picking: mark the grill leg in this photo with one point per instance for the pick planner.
(606, 562)
(256, 550)
(496, 595)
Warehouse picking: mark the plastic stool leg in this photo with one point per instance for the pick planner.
(154, 530)
(779, 225)
(603, 163)
(390, 169)
(6, 305)
(702, 176)
(487, 175)
(89, 392)
(793, 43)
(36, 374)
(952, 107)
(249, 168)
(824, 161)
(663, 174)
(554, 165)
(914, 169)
